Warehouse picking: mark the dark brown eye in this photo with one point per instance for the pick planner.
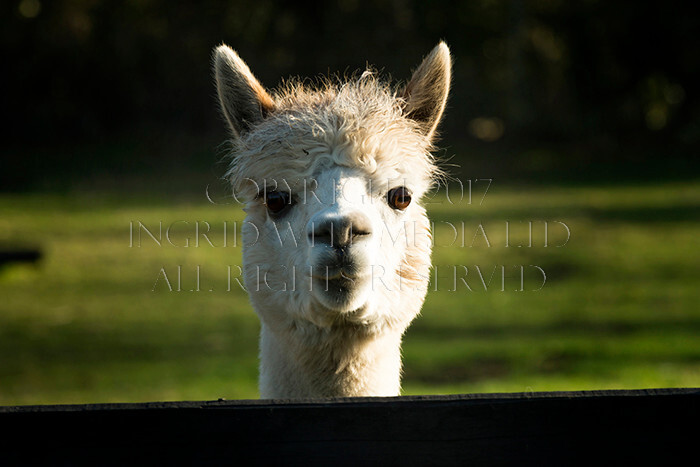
(399, 198)
(277, 201)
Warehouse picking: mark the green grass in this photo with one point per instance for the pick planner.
(619, 308)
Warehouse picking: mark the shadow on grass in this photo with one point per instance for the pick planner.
(639, 214)
(89, 346)
(569, 328)
(471, 370)
(647, 214)
(545, 359)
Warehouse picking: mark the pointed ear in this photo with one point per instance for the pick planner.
(426, 93)
(244, 102)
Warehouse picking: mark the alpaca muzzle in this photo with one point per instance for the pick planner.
(340, 231)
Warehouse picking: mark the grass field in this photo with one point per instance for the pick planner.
(96, 321)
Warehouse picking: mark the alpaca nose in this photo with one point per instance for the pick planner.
(340, 231)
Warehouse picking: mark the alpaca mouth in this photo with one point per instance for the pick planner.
(336, 274)
(340, 291)
(341, 269)
(340, 282)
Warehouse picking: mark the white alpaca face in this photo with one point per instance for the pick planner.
(334, 246)
(332, 176)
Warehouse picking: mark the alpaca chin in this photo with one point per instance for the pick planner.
(342, 294)
(341, 281)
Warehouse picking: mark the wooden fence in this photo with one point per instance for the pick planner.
(644, 427)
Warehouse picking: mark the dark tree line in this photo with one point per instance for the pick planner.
(603, 79)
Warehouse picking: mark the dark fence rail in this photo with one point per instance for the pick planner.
(643, 427)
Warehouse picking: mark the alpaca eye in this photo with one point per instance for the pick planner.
(399, 198)
(277, 201)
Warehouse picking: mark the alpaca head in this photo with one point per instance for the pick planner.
(332, 177)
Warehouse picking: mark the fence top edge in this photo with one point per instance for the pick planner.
(356, 401)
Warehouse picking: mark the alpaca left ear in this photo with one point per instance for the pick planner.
(426, 93)
(244, 101)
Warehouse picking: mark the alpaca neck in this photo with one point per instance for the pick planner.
(342, 361)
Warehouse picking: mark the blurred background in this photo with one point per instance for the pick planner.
(586, 113)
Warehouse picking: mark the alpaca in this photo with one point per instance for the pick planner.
(336, 245)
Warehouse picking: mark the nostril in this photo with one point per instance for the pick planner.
(321, 232)
(340, 231)
(359, 231)
(360, 226)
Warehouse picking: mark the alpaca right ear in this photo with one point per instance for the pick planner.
(426, 94)
(244, 102)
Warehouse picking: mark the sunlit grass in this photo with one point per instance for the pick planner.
(95, 321)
